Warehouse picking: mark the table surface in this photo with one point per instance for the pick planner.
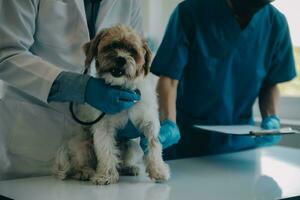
(266, 173)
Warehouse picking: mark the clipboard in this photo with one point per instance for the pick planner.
(247, 130)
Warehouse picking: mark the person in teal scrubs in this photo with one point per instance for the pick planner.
(215, 59)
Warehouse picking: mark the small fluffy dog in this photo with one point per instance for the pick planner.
(122, 59)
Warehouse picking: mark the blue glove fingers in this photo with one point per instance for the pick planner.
(271, 122)
(118, 105)
(268, 140)
(129, 132)
(109, 99)
(168, 139)
(123, 105)
(125, 100)
(169, 134)
(128, 96)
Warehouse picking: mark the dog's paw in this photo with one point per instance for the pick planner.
(61, 174)
(105, 178)
(84, 174)
(158, 172)
(129, 170)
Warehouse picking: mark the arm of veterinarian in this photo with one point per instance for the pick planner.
(33, 75)
(108, 99)
(268, 98)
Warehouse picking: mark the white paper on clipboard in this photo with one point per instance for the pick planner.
(235, 129)
(245, 130)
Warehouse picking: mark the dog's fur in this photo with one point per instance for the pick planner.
(76, 158)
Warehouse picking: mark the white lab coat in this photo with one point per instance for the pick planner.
(38, 40)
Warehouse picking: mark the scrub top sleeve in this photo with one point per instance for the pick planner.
(282, 67)
(172, 55)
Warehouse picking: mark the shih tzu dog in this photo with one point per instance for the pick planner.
(122, 59)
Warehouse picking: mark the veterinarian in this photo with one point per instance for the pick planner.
(41, 61)
(215, 59)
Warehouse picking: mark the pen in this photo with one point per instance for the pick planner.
(281, 131)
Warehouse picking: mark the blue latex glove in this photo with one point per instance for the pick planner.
(169, 134)
(268, 123)
(129, 132)
(109, 99)
(80, 88)
(271, 122)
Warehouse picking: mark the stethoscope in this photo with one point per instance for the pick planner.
(90, 123)
(117, 72)
(71, 104)
(84, 123)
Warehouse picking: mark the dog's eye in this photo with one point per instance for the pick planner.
(133, 51)
(114, 46)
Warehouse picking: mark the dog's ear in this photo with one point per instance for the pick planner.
(91, 48)
(148, 58)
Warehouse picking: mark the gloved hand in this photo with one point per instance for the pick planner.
(129, 132)
(268, 123)
(271, 122)
(78, 88)
(169, 134)
(109, 99)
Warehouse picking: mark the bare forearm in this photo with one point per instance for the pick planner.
(268, 99)
(167, 91)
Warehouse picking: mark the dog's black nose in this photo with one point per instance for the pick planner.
(120, 61)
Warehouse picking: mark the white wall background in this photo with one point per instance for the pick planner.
(157, 12)
(291, 9)
(156, 17)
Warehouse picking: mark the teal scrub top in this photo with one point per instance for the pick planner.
(220, 67)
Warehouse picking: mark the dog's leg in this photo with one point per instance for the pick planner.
(107, 156)
(155, 166)
(158, 170)
(82, 168)
(80, 147)
(62, 164)
(73, 159)
(84, 173)
(130, 152)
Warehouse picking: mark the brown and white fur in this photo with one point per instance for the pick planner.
(112, 47)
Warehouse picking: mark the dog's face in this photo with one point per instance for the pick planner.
(121, 55)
